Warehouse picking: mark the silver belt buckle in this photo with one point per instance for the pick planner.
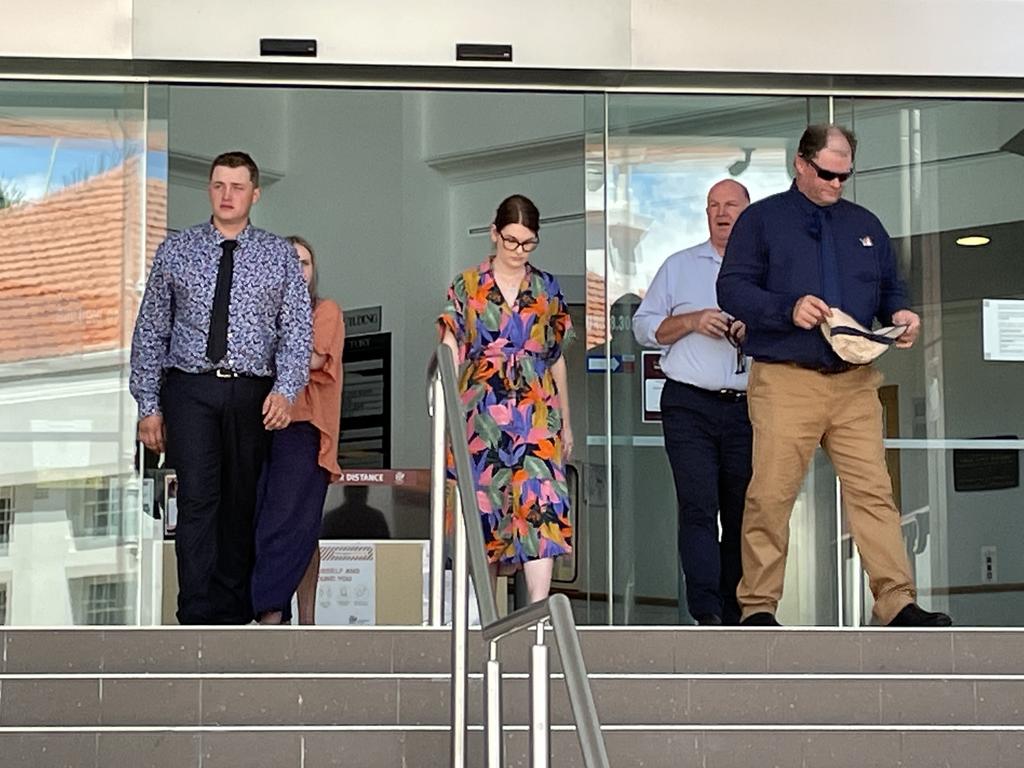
(222, 374)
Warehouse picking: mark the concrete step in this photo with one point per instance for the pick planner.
(395, 700)
(252, 697)
(627, 748)
(607, 650)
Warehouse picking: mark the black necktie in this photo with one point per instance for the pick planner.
(217, 341)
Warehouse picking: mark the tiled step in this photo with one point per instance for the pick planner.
(191, 701)
(252, 697)
(607, 650)
(633, 748)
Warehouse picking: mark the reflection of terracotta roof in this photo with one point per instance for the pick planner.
(68, 270)
(85, 128)
(597, 310)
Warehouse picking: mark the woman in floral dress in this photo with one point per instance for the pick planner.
(507, 324)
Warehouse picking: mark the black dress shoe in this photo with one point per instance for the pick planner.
(913, 615)
(708, 620)
(761, 619)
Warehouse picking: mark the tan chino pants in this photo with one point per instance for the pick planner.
(792, 410)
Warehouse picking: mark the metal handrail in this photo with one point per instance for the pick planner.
(467, 492)
(469, 545)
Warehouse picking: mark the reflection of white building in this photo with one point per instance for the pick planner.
(69, 269)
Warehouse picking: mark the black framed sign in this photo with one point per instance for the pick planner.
(365, 439)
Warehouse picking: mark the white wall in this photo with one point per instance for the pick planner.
(583, 33)
(899, 37)
(63, 28)
(942, 37)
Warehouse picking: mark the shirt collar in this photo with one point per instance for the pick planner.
(708, 251)
(806, 205)
(216, 236)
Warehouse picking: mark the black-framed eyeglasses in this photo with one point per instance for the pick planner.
(528, 246)
(825, 175)
(730, 335)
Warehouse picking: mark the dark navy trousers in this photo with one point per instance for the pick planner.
(708, 439)
(217, 443)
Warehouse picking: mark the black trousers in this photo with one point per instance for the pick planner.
(709, 443)
(216, 442)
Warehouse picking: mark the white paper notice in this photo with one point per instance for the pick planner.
(347, 592)
(652, 395)
(1002, 322)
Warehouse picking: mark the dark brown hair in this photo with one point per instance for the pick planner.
(815, 139)
(237, 160)
(517, 209)
(314, 295)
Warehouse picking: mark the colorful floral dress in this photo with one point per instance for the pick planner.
(513, 413)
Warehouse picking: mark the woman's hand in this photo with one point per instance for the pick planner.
(567, 443)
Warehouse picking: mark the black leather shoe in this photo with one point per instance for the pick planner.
(708, 620)
(913, 615)
(761, 619)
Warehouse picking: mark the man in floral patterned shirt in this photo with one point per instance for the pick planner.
(221, 348)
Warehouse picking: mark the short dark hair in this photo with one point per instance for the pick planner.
(237, 159)
(517, 209)
(815, 139)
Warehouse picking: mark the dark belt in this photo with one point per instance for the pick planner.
(828, 370)
(729, 395)
(223, 373)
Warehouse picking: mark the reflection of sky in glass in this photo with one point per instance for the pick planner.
(36, 166)
(656, 200)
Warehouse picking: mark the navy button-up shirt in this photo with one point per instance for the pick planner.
(269, 315)
(774, 258)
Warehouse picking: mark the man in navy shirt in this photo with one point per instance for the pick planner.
(790, 258)
(220, 350)
(703, 409)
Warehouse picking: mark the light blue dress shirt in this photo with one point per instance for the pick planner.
(686, 283)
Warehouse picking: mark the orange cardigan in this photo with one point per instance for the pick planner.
(319, 402)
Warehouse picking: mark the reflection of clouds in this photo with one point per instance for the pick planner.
(31, 185)
(659, 189)
(673, 195)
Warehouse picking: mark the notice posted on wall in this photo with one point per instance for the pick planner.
(654, 381)
(1002, 322)
(347, 590)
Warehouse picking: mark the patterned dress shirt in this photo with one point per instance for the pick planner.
(269, 316)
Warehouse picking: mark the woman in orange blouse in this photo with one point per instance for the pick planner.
(302, 461)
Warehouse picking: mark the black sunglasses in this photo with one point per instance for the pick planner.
(732, 338)
(827, 175)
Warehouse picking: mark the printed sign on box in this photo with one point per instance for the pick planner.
(346, 593)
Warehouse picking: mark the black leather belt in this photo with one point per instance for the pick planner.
(729, 395)
(828, 370)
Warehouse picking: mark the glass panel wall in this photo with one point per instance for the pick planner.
(662, 155)
(936, 172)
(78, 196)
(397, 190)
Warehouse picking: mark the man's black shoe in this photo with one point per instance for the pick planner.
(708, 620)
(913, 615)
(761, 619)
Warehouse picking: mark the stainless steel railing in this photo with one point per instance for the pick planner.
(468, 554)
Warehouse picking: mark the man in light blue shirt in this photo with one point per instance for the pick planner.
(703, 409)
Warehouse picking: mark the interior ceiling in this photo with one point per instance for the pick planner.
(971, 273)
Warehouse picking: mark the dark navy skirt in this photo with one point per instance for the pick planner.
(289, 508)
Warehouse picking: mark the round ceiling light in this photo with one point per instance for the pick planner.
(973, 240)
